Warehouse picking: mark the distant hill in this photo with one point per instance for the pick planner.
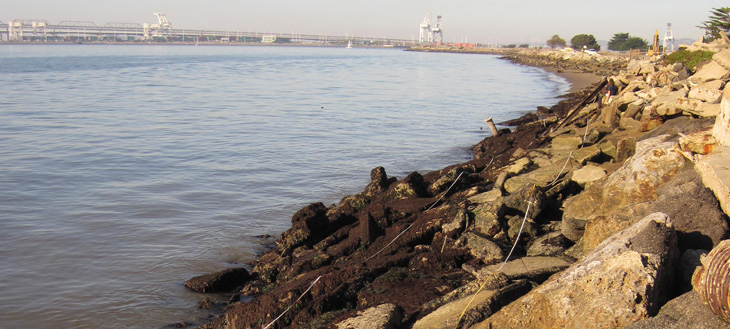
(684, 41)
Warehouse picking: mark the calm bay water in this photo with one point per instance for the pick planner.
(125, 170)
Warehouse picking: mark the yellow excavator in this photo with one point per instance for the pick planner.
(654, 50)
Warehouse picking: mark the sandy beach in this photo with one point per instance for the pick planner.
(577, 80)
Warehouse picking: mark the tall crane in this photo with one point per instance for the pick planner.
(438, 31)
(431, 34)
(426, 29)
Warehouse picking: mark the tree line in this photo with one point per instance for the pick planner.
(719, 21)
(620, 41)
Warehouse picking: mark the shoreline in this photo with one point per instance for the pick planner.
(578, 80)
(579, 83)
(446, 231)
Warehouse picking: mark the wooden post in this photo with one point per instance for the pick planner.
(492, 127)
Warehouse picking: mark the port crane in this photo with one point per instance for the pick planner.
(161, 29)
(431, 34)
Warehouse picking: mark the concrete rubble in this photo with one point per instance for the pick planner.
(607, 218)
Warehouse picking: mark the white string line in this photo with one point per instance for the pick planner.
(296, 301)
(409, 226)
(517, 239)
(561, 170)
(487, 167)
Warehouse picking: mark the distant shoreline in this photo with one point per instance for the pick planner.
(224, 44)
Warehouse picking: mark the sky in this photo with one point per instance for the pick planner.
(486, 21)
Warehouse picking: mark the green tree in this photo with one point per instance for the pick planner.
(588, 41)
(719, 21)
(624, 41)
(556, 42)
(617, 41)
(635, 43)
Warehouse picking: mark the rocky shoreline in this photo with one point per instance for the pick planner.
(602, 212)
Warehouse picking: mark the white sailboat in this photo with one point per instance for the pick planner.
(349, 44)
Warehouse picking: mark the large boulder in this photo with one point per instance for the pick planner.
(710, 71)
(694, 210)
(709, 92)
(624, 280)
(655, 162)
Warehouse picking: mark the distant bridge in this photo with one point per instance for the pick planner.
(41, 31)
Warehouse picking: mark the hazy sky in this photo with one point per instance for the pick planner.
(487, 21)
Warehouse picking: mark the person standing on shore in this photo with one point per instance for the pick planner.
(611, 90)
